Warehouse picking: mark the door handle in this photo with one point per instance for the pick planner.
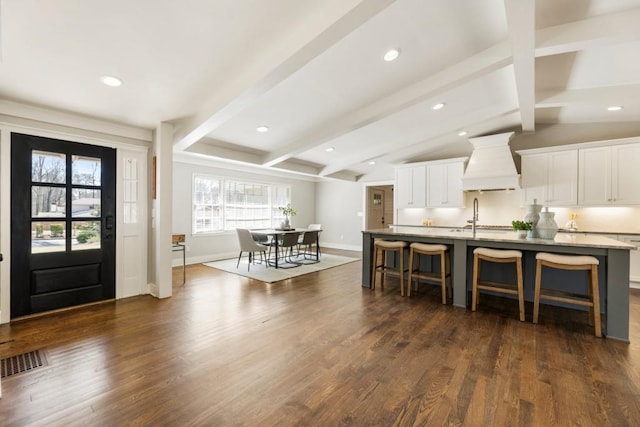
(109, 222)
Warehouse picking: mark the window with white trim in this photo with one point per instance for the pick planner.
(226, 204)
(207, 212)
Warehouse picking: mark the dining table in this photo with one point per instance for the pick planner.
(275, 233)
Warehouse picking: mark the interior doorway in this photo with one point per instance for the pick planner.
(379, 206)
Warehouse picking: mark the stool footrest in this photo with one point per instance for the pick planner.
(568, 297)
(428, 275)
(504, 288)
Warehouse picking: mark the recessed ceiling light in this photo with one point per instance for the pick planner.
(391, 54)
(615, 108)
(372, 162)
(111, 81)
(262, 129)
(438, 106)
(462, 133)
(329, 149)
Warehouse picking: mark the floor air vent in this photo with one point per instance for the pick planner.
(22, 363)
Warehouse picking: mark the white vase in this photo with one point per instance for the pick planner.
(533, 215)
(547, 226)
(521, 234)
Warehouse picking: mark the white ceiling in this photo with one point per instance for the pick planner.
(312, 71)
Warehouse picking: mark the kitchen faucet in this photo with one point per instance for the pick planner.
(474, 219)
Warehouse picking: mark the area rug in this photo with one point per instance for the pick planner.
(271, 274)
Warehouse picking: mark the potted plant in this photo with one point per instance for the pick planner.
(522, 227)
(288, 212)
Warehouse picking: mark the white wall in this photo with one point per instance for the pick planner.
(202, 248)
(339, 209)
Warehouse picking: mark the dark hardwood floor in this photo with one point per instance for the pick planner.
(317, 350)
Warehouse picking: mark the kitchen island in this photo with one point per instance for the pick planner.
(612, 254)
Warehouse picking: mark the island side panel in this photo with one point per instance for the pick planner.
(459, 273)
(367, 253)
(618, 294)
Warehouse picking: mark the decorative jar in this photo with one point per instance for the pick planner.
(533, 215)
(547, 226)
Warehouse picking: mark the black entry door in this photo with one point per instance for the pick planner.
(62, 224)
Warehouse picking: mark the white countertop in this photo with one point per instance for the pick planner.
(562, 239)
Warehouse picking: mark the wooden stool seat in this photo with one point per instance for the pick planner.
(497, 256)
(431, 276)
(384, 247)
(570, 262)
(498, 253)
(567, 259)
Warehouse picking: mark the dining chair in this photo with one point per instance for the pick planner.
(286, 245)
(306, 243)
(247, 244)
(312, 227)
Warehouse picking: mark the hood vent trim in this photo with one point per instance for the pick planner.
(491, 166)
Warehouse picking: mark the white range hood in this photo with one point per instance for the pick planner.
(491, 165)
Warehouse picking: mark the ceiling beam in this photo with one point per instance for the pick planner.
(606, 95)
(443, 139)
(592, 32)
(522, 30)
(279, 64)
(229, 155)
(224, 153)
(205, 160)
(416, 142)
(478, 65)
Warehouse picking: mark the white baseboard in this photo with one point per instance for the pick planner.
(341, 246)
(177, 262)
(634, 285)
(153, 289)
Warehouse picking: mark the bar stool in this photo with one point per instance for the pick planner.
(417, 249)
(384, 247)
(570, 262)
(497, 256)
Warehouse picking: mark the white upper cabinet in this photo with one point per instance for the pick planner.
(595, 176)
(625, 174)
(444, 184)
(550, 178)
(410, 186)
(609, 175)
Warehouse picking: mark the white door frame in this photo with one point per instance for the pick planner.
(6, 128)
(366, 186)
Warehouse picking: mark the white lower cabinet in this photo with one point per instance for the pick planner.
(634, 255)
(634, 258)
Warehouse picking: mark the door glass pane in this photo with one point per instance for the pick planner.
(47, 237)
(85, 170)
(130, 193)
(85, 203)
(48, 201)
(85, 235)
(130, 213)
(48, 167)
